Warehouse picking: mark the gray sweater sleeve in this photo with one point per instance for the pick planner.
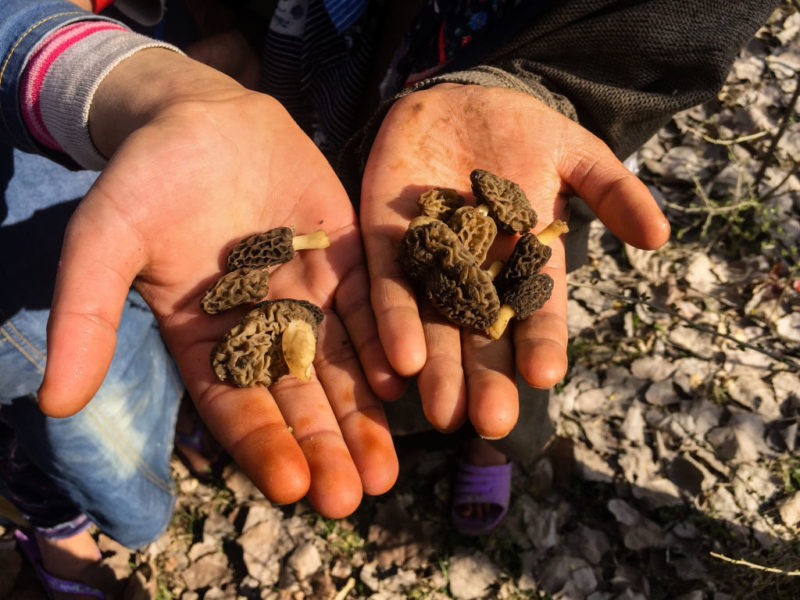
(619, 68)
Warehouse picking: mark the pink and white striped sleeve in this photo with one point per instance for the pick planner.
(60, 80)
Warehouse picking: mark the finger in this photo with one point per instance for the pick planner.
(335, 486)
(100, 257)
(248, 424)
(493, 400)
(358, 411)
(352, 305)
(540, 341)
(441, 383)
(384, 219)
(619, 198)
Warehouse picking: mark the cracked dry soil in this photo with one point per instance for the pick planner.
(675, 473)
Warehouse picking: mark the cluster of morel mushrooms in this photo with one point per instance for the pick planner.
(444, 248)
(276, 337)
(442, 252)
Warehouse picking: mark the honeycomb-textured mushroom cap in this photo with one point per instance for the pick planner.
(252, 352)
(475, 228)
(273, 247)
(506, 200)
(238, 287)
(449, 275)
(439, 203)
(529, 295)
(527, 258)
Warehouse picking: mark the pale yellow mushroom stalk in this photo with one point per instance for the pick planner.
(299, 344)
(309, 241)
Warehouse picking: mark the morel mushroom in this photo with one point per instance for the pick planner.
(237, 287)
(273, 247)
(508, 204)
(440, 203)
(448, 273)
(475, 229)
(277, 337)
(523, 290)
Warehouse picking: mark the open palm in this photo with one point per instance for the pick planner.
(434, 138)
(176, 196)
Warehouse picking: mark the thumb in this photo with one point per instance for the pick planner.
(100, 257)
(618, 198)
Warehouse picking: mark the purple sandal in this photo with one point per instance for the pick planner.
(481, 485)
(30, 548)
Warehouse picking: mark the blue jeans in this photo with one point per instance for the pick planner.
(110, 461)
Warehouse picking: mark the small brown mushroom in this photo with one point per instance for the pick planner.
(448, 273)
(277, 337)
(475, 229)
(440, 203)
(237, 287)
(508, 204)
(522, 289)
(273, 247)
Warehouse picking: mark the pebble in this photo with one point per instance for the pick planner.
(471, 574)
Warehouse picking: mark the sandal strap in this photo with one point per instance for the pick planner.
(51, 583)
(482, 485)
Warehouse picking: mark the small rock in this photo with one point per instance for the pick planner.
(369, 577)
(662, 393)
(789, 326)
(243, 489)
(593, 543)
(652, 368)
(541, 528)
(579, 319)
(591, 402)
(639, 532)
(742, 440)
(633, 425)
(752, 391)
(692, 373)
(211, 569)
(591, 466)
(216, 527)
(686, 475)
(263, 546)
(789, 509)
(697, 342)
(201, 549)
(558, 571)
(304, 560)
(705, 415)
(786, 385)
(471, 575)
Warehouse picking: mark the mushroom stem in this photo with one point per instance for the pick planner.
(495, 268)
(482, 209)
(497, 328)
(299, 345)
(308, 241)
(552, 231)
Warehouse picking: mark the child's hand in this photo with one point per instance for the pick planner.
(197, 163)
(434, 138)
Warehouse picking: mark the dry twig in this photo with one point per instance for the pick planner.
(750, 565)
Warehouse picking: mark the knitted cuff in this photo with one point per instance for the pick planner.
(70, 84)
(489, 76)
